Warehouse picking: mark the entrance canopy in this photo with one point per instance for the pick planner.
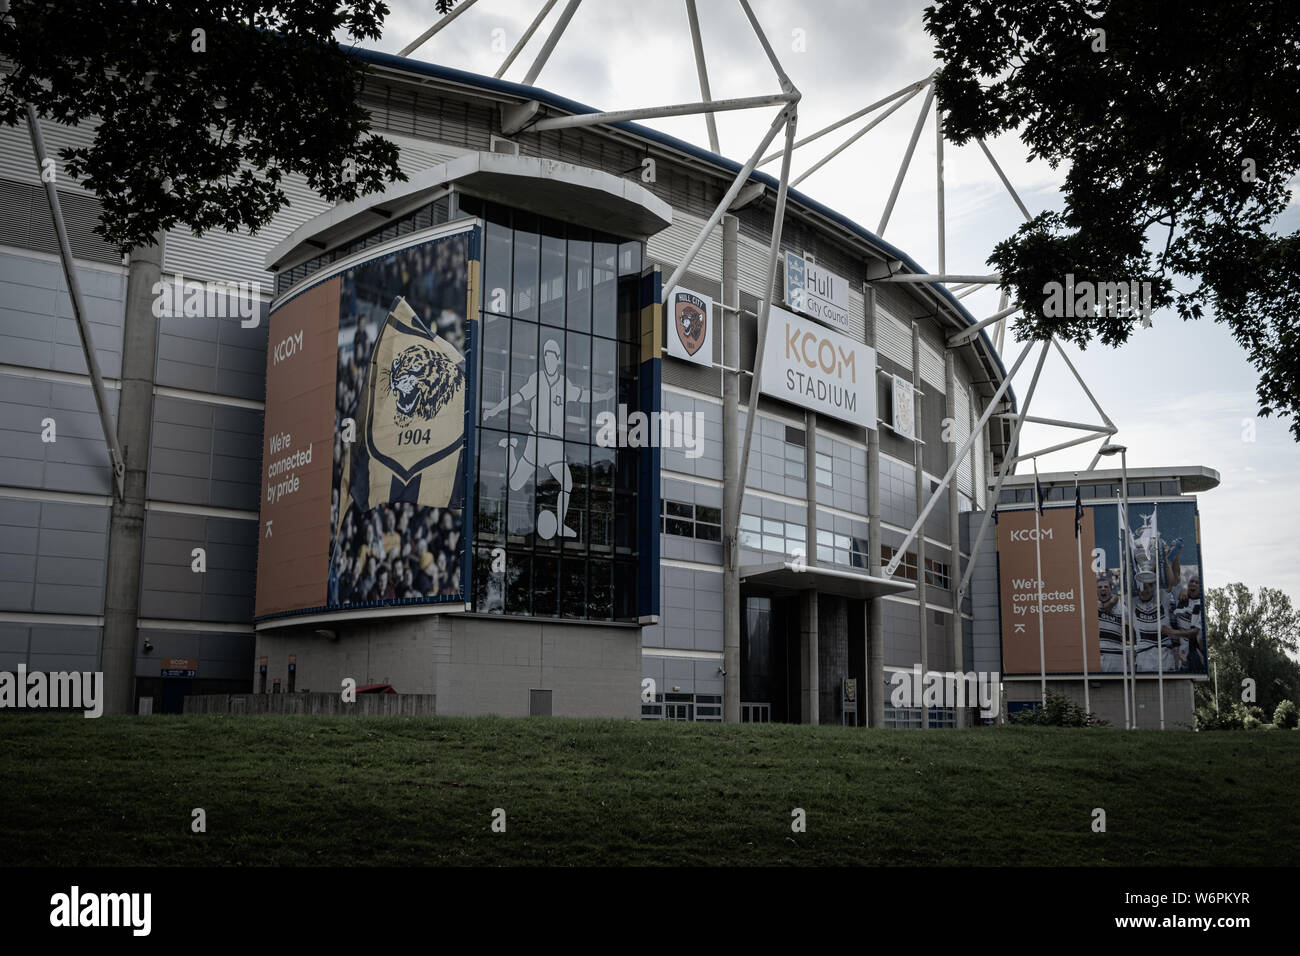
(787, 576)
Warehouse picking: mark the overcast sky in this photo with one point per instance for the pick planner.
(1180, 393)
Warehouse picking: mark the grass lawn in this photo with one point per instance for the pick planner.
(406, 790)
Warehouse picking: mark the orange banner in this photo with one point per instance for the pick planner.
(1018, 550)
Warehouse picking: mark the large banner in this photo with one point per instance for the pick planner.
(1164, 624)
(1068, 616)
(1162, 628)
(366, 431)
(818, 369)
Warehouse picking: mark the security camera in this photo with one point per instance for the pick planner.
(148, 646)
(722, 671)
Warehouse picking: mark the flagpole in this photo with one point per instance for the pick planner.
(1038, 559)
(1160, 637)
(1083, 625)
(1123, 622)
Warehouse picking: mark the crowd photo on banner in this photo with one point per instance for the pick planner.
(397, 486)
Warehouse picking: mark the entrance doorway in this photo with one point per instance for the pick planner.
(769, 658)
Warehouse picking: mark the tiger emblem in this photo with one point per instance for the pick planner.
(422, 381)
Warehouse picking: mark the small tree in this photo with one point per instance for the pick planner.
(1252, 636)
(202, 109)
(1287, 715)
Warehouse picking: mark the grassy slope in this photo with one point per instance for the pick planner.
(298, 790)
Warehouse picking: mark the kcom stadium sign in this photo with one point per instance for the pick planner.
(815, 368)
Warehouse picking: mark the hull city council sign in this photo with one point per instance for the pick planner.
(810, 366)
(816, 292)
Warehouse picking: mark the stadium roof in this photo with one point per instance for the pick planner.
(545, 97)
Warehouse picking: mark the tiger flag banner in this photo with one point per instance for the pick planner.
(411, 430)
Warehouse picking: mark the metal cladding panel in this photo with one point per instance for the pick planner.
(857, 316)
(978, 450)
(894, 337)
(961, 432)
(751, 266)
(25, 222)
(671, 245)
(19, 162)
(240, 257)
(931, 365)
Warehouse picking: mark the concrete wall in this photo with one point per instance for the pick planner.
(1107, 700)
(475, 665)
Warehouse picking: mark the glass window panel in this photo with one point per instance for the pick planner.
(602, 497)
(494, 348)
(751, 539)
(625, 518)
(773, 527)
(772, 542)
(519, 582)
(751, 522)
(626, 470)
(577, 459)
(551, 499)
(824, 537)
(796, 532)
(680, 509)
(710, 515)
(629, 259)
(625, 591)
(629, 311)
(708, 532)
(578, 272)
(573, 588)
(604, 301)
(546, 573)
(604, 378)
(600, 591)
(679, 527)
(489, 585)
(496, 268)
(523, 376)
(552, 284)
(527, 251)
(577, 412)
(490, 497)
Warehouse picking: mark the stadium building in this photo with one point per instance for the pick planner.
(459, 439)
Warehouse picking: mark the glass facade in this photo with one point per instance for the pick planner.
(555, 530)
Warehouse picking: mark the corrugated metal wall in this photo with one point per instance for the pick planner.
(893, 336)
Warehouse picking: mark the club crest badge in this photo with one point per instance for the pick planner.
(691, 318)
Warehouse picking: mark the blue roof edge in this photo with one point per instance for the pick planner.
(572, 106)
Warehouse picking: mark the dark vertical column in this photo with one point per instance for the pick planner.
(731, 496)
(954, 525)
(922, 493)
(875, 626)
(126, 521)
(832, 654)
(810, 709)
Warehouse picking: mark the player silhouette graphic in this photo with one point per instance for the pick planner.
(547, 393)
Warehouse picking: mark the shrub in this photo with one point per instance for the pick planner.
(1287, 715)
(1207, 718)
(1059, 711)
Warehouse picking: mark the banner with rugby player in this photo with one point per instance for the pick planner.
(1155, 608)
